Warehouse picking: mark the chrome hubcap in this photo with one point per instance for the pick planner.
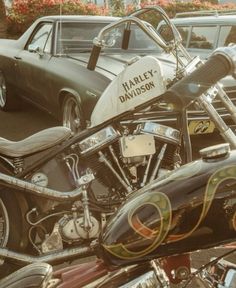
(2, 91)
(71, 115)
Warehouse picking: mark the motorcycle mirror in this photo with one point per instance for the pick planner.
(35, 49)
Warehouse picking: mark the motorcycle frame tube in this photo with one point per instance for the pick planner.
(49, 258)
(227, 102)
(31, 188)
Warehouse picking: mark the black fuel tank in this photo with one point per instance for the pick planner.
(193, 207)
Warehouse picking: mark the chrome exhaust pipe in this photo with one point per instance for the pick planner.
(51, 258)
(45, 192)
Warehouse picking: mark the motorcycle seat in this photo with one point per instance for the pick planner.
(33, 275)
(37, 142)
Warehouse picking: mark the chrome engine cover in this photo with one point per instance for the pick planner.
(72, 229)
(137, 145)
(161, 132)
(99, 139)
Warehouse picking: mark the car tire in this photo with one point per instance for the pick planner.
(72, 114)
(11, 230)
(8, 99)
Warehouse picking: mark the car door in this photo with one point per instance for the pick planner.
(33, 63)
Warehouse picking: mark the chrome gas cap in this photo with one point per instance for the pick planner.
(215, 152)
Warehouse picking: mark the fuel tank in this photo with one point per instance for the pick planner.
(135, 85)
(191, 208)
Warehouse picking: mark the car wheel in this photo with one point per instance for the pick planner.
(8, 100)
(71, 114)
(10, 230)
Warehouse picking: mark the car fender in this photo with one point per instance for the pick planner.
(63, 92)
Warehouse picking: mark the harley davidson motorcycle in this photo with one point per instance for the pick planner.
(190, 208)
(57, 192)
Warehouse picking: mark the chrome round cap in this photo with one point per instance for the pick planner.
(216, 151)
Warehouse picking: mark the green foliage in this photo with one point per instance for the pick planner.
(24, 12)
(117, 7)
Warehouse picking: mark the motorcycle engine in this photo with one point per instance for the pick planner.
(126, 158)
(111, 164)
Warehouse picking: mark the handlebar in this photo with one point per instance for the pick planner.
(94, 57)
(99, 40)
(220, 64)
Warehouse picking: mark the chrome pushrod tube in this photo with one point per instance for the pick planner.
(224, 129)
(45, 192)
(48, 258)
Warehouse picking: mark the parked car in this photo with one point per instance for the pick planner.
(202, 32)
(47, 65)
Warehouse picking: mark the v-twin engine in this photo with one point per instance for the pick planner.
(127, 157)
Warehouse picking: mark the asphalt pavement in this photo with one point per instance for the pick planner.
(17, 125)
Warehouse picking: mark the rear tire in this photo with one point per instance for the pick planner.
(11, 230)
(72, 114)
(8, 99)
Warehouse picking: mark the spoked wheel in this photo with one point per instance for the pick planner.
(71, 114)
(10, 230)
(8, 100)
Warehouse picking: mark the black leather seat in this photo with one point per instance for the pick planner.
(37, 142)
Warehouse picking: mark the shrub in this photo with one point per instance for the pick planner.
(24, 12)
(173, 7)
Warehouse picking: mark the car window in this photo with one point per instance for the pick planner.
(79, 30)
(184, 32)
(203, 37)
(42, 38)
(166, 33)
(48, 45)
(227, 35)
(138, 38)
(76, 36)
(72, 36)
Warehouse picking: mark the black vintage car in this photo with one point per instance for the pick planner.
(47, 65)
